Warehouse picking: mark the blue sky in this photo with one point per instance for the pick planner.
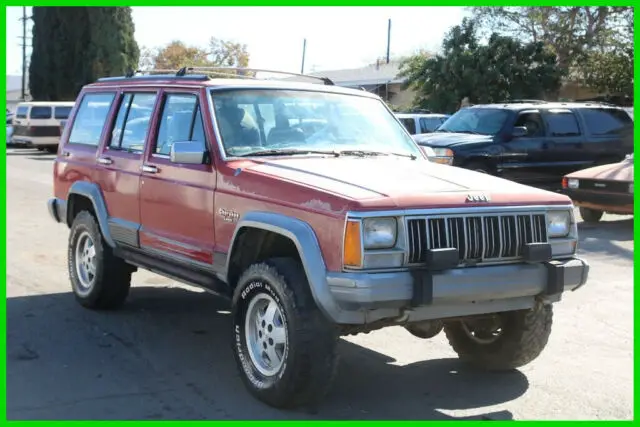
(337, 37)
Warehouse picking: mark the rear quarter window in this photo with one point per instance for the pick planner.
(21, 112)
(90, 120)
(40, 113)
(606, 121)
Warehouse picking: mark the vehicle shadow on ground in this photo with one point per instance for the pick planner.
(49, 158)
(167, 355)
(29, 152)
(603, 236)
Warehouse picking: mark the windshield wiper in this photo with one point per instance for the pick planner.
(287, 152)
(468, 131)
(295, 151)
(363, 153)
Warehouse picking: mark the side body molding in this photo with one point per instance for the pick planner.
(303, 236)
(92, 192)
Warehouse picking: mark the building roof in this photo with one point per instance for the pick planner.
(370, 75)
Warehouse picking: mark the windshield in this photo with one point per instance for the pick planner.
(482, 121)
(288, 122)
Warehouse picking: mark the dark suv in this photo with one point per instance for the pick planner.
(533, 142)
(313, 210)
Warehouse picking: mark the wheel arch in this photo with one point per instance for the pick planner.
(84, 193)
(302, 237)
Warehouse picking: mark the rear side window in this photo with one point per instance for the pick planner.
(41, 113)
(21, 113)
(132, 123)
(606, 121)
(563, 123)
(90, 119)
(62, 113)
(410, 124)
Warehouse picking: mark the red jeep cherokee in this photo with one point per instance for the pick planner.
(310, 206)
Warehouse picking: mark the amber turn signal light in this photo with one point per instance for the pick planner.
(352, 256)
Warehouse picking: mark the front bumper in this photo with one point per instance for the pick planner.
(601, 200)
(456, 292)
(57, 209)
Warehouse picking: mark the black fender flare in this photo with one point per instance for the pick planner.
(92, 192)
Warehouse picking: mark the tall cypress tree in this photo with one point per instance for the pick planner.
(73, 46)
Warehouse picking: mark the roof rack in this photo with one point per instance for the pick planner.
(205, 73)
(524, 101)
(247, 72)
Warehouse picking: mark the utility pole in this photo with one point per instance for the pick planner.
(24, 51)
(388, 41)
(304, 53)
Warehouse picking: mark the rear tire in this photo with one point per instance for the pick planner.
(524, 335)
(286, 356)
(99, 279)
(590, 215)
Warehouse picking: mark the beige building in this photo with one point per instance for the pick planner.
(381, 79)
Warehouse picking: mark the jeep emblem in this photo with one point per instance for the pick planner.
(478, 198)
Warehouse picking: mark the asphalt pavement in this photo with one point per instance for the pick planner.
(167, 353)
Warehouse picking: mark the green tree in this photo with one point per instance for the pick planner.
(73, 46)
(586, 40)
(501, 69)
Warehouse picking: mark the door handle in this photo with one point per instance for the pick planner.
(149, 169)
(105, 161)
(66, 154)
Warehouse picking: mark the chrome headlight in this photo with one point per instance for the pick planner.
(428, 151)
(443, 155)
(558, 223)
(380, 233)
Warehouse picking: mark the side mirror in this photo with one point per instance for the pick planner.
(190, 152)
(519, 132)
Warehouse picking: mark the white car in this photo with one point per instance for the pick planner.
(421, 123)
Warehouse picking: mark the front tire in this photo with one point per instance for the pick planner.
(590, 215)
(283, 345)
(520, 338)
(99, 279)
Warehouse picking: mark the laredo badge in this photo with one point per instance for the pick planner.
(228, 215)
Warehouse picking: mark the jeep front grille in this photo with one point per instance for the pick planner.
(478, 238)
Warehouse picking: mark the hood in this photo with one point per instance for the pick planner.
(446, 139)
(394, 182)
(622, 171)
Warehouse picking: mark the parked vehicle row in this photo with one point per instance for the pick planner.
(334, 227)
